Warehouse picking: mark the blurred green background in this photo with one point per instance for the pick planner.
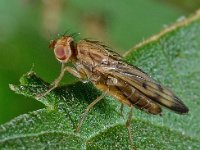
(27, 26)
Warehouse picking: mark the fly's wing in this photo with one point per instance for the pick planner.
(109, 63)
(146, 86)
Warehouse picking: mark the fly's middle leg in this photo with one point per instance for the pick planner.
(84, 115)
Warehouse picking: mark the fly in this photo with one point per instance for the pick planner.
(96, 62)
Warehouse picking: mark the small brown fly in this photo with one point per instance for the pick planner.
(96, 62)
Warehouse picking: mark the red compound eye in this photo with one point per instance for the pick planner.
(60, 53)
(62, 48)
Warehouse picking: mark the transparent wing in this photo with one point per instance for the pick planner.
(146, 86)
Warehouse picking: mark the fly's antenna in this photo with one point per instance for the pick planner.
(50, 34)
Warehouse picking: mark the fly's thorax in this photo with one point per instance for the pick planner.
(93, 58)
(92, 54)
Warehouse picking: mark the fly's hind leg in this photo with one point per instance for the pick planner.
(84, 115)
(128, 126)
(56, 82)
(121, 110)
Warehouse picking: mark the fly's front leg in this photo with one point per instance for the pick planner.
(56, 82)
(83, 116)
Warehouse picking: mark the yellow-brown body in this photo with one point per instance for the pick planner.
(106, 70)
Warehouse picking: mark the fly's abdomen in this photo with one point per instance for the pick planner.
(127, 94)
(138, 100)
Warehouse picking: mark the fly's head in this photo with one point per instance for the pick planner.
(63, 48)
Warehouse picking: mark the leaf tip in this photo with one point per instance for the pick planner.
(25, 78)
(12, 87)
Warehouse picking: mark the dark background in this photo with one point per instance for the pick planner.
(27, 26)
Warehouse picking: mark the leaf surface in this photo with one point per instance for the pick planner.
(172, 58)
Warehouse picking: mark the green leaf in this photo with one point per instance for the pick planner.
(172, 57)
